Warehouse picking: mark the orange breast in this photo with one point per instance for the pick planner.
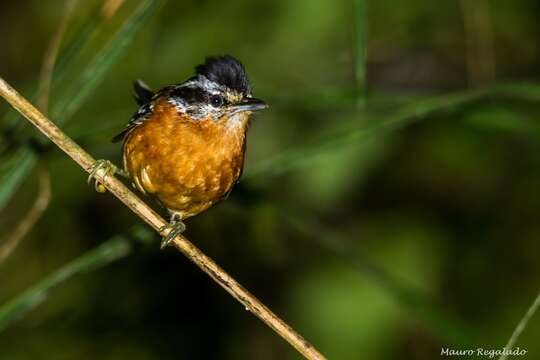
(187, 164)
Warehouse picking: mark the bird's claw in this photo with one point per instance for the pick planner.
(175, 227)
(107, 168)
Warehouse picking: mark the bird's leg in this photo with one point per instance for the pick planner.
(176, 226)
(108, 169)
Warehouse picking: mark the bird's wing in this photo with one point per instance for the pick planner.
(143, 96)
(143, 93)
(142, 114)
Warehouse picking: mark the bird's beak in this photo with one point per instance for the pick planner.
(249, 104)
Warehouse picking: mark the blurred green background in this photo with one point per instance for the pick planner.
(389, 205)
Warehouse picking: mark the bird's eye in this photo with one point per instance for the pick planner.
(216, 100)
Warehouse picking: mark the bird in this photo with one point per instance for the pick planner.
(185, 146)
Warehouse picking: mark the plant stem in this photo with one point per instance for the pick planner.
(142, 210)
(360, 55)
(51, 55)
(31, 218)
(521, 326)
(105, 253)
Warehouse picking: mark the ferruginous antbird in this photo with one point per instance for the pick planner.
(185, 145)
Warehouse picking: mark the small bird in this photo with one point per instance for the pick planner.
(185, 145)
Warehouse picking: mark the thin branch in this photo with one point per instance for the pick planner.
(480, 47)
(136, 205)
(27, 223)
(360, 48)
(43, 94)
(110, 7)
(50, 57)
(521, 326)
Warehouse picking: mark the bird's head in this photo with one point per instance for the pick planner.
(219, 91)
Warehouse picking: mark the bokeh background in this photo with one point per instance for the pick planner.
(389, 205)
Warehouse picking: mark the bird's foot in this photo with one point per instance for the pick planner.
(108, 169)
(176, 226)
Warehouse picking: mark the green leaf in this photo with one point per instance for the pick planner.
(17, 166)
(112, 250)
(81, 39)
(66, 59)
(83, 87)
(13, 170)
(446, 324)
(360, 127)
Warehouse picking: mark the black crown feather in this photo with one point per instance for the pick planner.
(225, 70)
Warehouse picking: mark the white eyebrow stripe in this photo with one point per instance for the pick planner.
(208, 86)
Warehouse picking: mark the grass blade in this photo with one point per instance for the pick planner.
(12, 175)
(446, 325)
(13, 170)
(95, 72)
(81, 40)
(104, 254)
(350, 130)
(521, 326)
(360, 47)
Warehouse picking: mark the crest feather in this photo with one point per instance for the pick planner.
(225, 70)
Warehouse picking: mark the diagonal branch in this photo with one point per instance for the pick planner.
(521, 327)
(44, 194)
(142, 210)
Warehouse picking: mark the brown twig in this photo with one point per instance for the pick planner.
(44, 191)
(521, 326)
(136, 205)
(49, 59)
(30, 219)
(480, 47)
(110, 7)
